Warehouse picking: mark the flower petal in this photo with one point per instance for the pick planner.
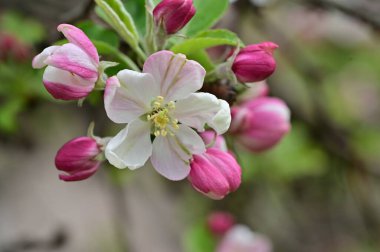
(188, 139)
(39, 60)
(222, 120)
(129, 95)
(177, 76)
(72, 58)
(131, 147)
(64, 85)
(200, 108)
(167, 160)
(78, 38)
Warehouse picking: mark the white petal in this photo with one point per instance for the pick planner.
(39, 60)
(131, 147)
(186, 138)
(197, 109)
(222, 120)
(167, 161)
(129, 95)
(177, 76)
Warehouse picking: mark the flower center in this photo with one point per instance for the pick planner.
(162, 122)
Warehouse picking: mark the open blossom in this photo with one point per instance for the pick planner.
(77, 158)
(255, 62)
(162, 102)
(173, 15)
(261, 123)
(72, 68)
(241, 238)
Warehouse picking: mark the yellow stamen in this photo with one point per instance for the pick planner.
(160, 116)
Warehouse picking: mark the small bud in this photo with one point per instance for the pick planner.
(78, 158)
(220, 222)
(173, 15)
(215, 173)
(241, 238)
(261, 123)
(255, 62)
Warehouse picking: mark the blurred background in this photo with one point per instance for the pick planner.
(318, 190)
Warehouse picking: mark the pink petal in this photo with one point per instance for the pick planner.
(64, 85)
(71, 58)
(80, 175)
(77, 37)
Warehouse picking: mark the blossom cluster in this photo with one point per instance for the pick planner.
(170, 124)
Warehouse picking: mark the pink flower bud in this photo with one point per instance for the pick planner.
(72, 68)
(255, 62)
(215, 173)
(173, 15)
(210, 136)
(78, 158)
(220, 222)
(260, 123)
(241, 238)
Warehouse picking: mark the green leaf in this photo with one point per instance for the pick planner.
(202, 58)
(118, 17)
(137, 10)
(208, 13)
(8, 114)
(205, 40)
(199, 239)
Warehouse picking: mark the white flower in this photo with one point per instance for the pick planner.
(162, 102)
(241, 238)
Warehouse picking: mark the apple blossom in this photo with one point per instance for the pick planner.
(72, 69)
(255, 62)
(173, 15)
(161, 102)
(260, 123)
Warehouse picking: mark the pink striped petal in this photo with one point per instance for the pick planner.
(77, 37)
(66, 86)
(71, 58)
(176, 76)
(79, 175)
